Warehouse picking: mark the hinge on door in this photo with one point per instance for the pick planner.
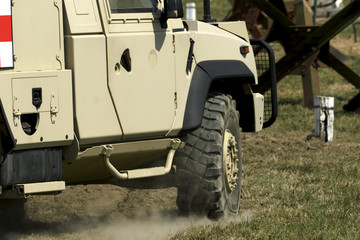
(16, 112)
(17, 115)
(54, 109)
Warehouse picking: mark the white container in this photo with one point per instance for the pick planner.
(324, 118)
(191, 11)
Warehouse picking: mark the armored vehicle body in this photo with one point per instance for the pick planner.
(111, 91)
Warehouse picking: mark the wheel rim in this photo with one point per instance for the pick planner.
(230, 160)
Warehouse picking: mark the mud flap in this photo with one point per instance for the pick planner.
(7, 141)
(31, 166)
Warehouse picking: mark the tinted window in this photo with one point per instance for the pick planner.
(129, 6)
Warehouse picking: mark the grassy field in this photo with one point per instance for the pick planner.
(296, 186)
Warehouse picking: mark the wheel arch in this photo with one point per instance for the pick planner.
(231, 77)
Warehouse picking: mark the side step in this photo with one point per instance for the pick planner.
(174, 144)
(24, 190)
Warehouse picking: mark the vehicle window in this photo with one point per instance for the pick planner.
(131, 6)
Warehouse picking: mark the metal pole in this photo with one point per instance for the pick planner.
(314, 12)
(207, 16)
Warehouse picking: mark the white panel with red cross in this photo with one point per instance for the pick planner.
(6, 44)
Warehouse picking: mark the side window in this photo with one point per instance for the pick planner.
(131, 6)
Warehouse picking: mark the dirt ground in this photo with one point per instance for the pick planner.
(106, 212)
(101, 212)
(346, 45)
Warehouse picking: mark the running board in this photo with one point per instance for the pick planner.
(24, 190)
(144, 172)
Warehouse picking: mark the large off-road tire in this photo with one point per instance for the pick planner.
(209, 166)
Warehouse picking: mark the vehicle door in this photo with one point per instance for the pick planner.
(141, 74)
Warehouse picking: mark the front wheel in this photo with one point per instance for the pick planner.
(209, 166)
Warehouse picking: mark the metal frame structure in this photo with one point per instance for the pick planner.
(306, 43)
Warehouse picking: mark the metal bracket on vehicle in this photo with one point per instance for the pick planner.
(54, 109)
(144, 172)
(17, 116)
(24, 190)
(16, 112)
(265, 65)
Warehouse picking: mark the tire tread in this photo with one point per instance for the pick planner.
(199, 164)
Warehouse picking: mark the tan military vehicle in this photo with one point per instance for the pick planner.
(110, 91)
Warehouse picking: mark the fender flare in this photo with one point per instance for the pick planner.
(204, 74)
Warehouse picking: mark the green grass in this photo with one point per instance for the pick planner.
(296, 186)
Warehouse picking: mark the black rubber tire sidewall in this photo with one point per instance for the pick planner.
(202, 192)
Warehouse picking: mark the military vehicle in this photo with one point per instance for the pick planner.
(111, 91)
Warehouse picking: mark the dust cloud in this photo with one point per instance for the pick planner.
(149, 226)
(105, 212)
(156, 225)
